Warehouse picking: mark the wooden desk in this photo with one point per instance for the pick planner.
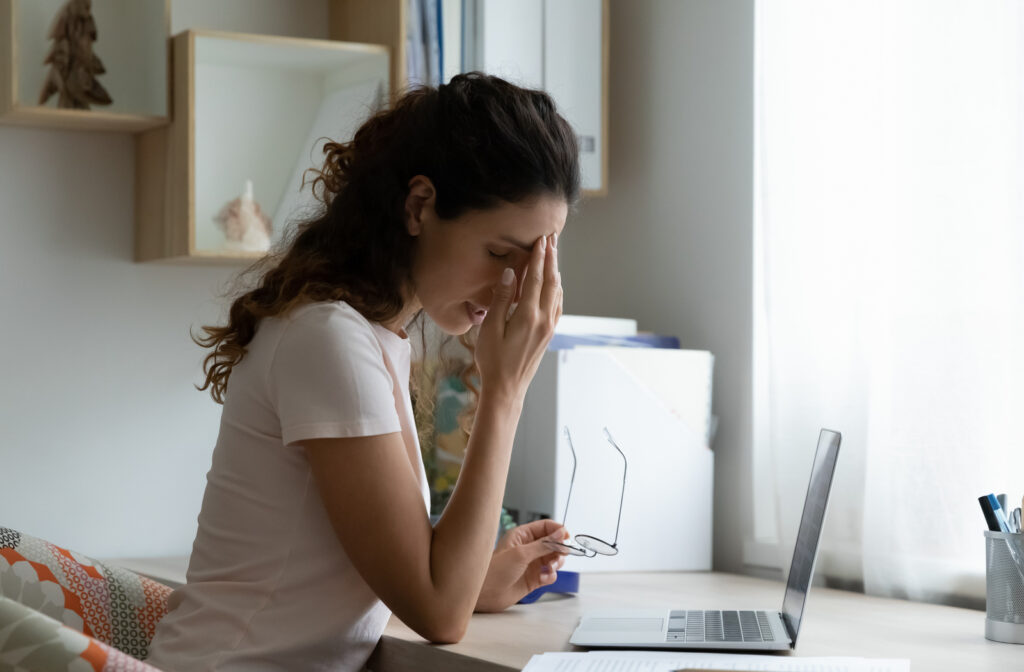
(836, 623)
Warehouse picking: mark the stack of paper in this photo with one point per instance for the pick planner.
(589, 325)
(580, 330)
(656, 661)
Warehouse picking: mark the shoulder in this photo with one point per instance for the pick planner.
(327, 329)
(335, 314)
(328, 318)
(328, 374)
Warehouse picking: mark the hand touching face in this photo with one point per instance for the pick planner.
(459, 261)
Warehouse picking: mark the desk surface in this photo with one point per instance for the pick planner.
(836, 623)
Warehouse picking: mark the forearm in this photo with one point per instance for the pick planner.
(464, 537)
(508, 352)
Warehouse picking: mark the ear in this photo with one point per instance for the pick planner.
(418, 203)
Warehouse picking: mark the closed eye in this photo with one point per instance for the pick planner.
(496, 255)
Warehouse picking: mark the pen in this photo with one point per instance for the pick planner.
(998, 511)
(1002, 516)
(986, 502)
(990, 515)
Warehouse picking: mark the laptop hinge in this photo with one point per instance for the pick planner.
(790, 630)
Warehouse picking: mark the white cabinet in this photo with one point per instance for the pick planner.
(560, 46)
(573, 74)
(510, 41)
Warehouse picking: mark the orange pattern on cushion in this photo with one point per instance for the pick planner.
(91, 590)
(95, 655)
(89, 569)
(114, 605)
(33, 642)
(70, 601)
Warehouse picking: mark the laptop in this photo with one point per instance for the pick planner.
(728, 629)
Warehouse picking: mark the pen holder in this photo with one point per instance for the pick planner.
(1004, 587)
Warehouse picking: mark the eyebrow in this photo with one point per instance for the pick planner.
(523, 246)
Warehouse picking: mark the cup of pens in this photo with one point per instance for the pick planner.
(1004, 576)
(1004, 587)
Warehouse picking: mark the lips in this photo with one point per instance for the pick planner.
(475, 313)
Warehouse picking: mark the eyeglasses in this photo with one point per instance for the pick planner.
(590, 544)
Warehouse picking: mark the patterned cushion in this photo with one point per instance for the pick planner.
(114, 605)
(35, 642)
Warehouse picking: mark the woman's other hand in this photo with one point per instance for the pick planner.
(509, 349)
(522, 562)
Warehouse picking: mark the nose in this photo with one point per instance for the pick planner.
(484, 299)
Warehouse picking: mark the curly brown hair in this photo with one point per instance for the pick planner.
(482, 142)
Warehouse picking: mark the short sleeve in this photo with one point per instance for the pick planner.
(328, 379)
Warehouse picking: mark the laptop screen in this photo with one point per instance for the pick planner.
(810, 531)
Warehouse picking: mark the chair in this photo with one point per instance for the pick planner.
(60, 610)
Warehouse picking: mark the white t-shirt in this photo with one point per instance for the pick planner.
(269, 585)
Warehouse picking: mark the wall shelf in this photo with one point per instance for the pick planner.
(246, 108)
(131, 43)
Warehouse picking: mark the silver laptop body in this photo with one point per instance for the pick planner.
(728, 629)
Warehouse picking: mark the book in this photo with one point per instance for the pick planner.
(639, 340)
(432, 40)
(580, 330)
(415, 55)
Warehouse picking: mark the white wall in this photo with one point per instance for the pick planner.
(104, 443)
(671, 245)
(291, 18)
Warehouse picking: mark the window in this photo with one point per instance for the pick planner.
(889, 280)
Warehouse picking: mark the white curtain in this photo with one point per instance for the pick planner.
(889, 236)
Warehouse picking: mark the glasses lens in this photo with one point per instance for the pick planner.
(596, 545)
(566, 548)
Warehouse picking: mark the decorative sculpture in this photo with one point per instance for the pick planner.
(73, 65)
(245, 225)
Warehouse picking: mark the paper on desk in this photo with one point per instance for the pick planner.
(656, 661)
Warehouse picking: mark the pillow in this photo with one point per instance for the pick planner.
(35, 642)
(112, 604)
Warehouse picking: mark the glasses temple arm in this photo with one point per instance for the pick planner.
(622, 495)
(572, 479)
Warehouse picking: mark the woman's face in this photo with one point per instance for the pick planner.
(459, 261)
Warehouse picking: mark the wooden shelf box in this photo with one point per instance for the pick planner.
(246, 107)
(131, 43)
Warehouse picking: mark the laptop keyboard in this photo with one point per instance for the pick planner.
(719, 626)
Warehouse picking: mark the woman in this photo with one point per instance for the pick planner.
(314, 526)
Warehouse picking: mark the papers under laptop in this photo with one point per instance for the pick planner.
(752, 629)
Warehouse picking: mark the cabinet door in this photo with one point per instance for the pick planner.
(573, 76)
(560, 46)
(510, 41)
(557, 46)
